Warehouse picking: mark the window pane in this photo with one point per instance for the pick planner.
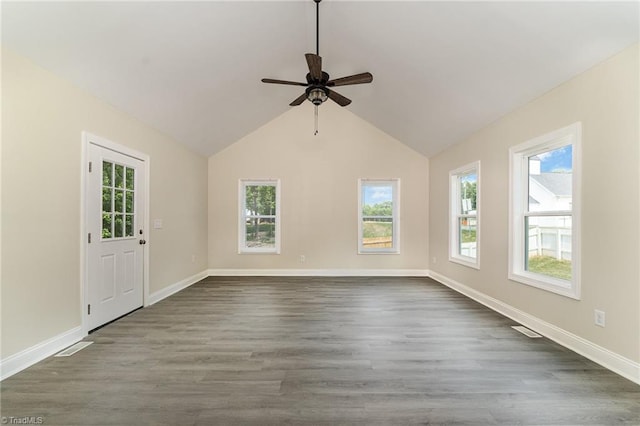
(378, 223)
(550, 180)
(130, 178)
(128, 226)
(377, 200)
(106, 200)
(467, 226)
(107, 173)
(258, 216)
(129, 201)
(464, 187)
(377, 232)
(118, 226)
(260, 232)
(119, 176)
(118, 200)
(547, 250)
(106, 226)
(260, 200)
(468, 186)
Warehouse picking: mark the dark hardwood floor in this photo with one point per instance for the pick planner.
(264, 351)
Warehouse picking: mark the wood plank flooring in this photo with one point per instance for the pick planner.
(317, 351)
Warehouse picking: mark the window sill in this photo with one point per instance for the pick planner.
(245, 251)
(563, 288)
(468, 262)
(378, 252)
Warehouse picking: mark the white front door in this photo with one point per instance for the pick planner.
(116, 241)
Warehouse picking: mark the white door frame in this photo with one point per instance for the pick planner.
(87, 139)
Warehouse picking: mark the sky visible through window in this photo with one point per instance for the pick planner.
(471, 178)
(375, 194)
(558, 160)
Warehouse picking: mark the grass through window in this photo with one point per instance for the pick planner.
(550, 266)
(377, 234)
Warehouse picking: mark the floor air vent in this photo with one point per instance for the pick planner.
(524, 330)
(73, 349)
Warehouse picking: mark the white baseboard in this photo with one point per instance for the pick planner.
(606, 358)
(318, 272)
(26, 358)
(174, 288)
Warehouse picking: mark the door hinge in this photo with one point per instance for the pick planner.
(90, 166)
(88, 309)
(89, 238)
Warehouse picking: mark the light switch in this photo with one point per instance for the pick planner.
(157, 224)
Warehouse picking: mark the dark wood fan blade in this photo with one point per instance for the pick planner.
(291, 83)
(315, 66)
(365, 77)
(338, 98)
(299, 100)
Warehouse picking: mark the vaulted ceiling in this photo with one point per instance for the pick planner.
(442, 70)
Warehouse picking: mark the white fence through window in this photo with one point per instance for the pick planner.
(550, 241)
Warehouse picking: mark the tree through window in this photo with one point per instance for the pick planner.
(259, 229)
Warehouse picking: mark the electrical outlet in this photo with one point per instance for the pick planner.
(302, 258)
(599, 317)
(434, 259)
(193, 258)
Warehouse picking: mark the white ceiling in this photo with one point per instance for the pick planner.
(442, 70)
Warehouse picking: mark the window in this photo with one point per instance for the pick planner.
(118, 195)
(259, 223)
(464, 229)
(378, 216)
(545, 212)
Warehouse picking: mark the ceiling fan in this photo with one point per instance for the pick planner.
(318, 85)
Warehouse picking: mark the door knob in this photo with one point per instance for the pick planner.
(142, 242)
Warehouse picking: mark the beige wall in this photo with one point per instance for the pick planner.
(319, 192)
(605, 100)
(43, 117)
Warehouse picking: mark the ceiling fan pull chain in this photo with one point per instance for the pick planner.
(316, 120)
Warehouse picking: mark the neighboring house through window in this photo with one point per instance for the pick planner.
(259, 221)
(545, 212)
(378, 216)
(464, 221)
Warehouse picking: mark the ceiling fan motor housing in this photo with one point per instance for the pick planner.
(322, 81)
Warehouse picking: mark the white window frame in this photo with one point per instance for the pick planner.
(242, 217)
(519, 209)
(455, 214)
(395, 185)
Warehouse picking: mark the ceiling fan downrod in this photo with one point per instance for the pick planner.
(317, 26)
(317, 101)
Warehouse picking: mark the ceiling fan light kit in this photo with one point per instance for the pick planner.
(318, 82)
(317, 95)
